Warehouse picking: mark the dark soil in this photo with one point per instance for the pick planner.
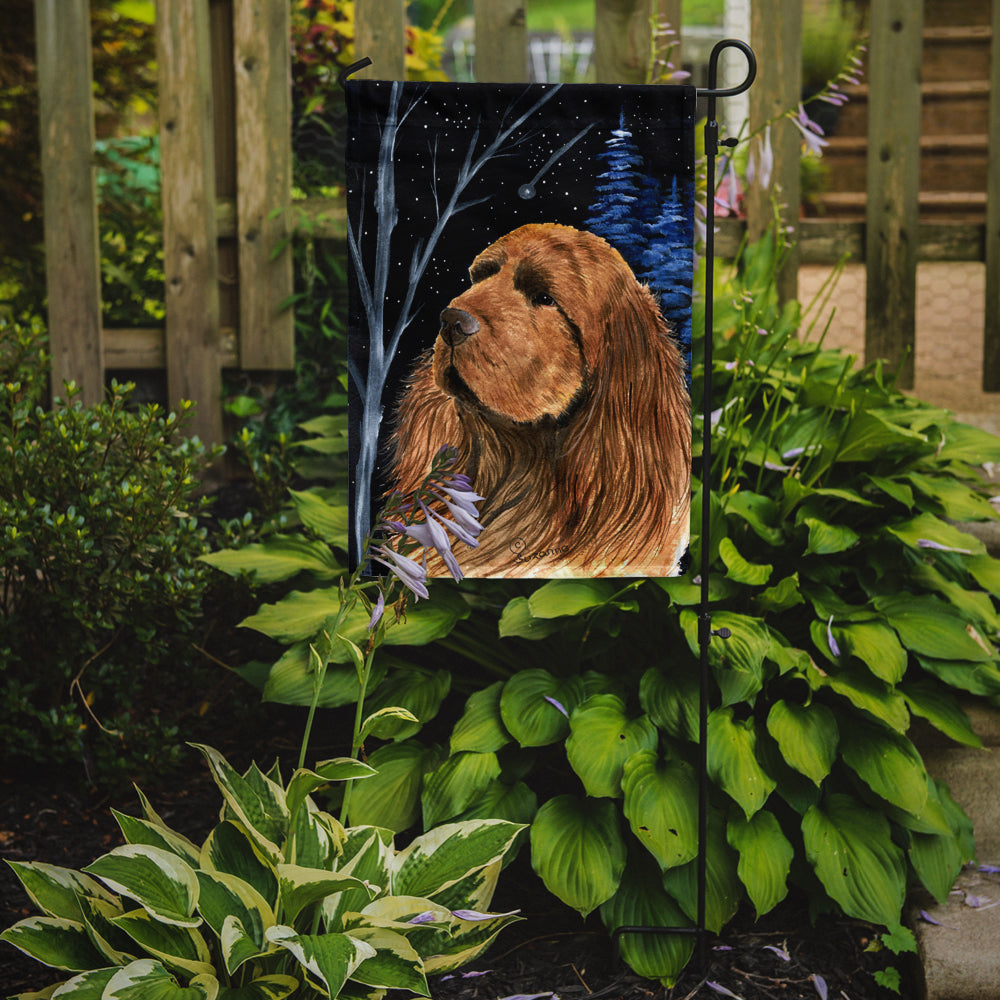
(551, 952)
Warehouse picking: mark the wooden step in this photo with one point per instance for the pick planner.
(957, 206)
(956, 53)
(947, 163)
(940, 13)
(946, 105)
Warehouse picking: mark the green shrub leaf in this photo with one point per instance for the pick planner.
(601, 739)
(851, 850)
(329, 521)
(577, 850)
(279, 558)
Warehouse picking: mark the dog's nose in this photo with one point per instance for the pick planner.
(457, 323)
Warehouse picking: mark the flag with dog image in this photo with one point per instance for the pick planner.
(521, 262)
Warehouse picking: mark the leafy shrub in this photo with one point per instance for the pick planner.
(279, 899)
(99, 539)
(854, 601)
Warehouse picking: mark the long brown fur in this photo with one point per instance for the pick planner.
(568, 408)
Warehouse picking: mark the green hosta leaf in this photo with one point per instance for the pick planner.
(329, 521)
(141, 831)
(957, 501)
(481, 728)
(292, 681)
(387, 723)
(671, 699)
(578, 851)
(723, 889)
(56, 891)
(159, 881)
(827, 539)
(783, 595)
(976, 605)
(765, 858)
(225, 897)
(732, 760)
(976, 678)
(937, 859)
(54, 941)
(965, 443)
(941, 709)
(888, 763)
(661, 800)
(807, 736)
(230, 849)
(516, 803)
(517, 620)
(738, 569)
(893, 488)
(279, 558)
(456, 784)
(391, 798)
(758, 511)
(528, 711)
(330, 959)
(147, 979)
(260, 809)
(301, 887)
(865, 692)
(275, 987)
(876, 646)
(986, 571)
(928, 528)
(738, 661)
(850, 847)
(417, 690)
(641, 901)
(684, 592)
(438, 859)
(870, 435)
(602, 738)
(180, 948)
(304, 782)
(395, 964)
(932, 628)
(559, 598)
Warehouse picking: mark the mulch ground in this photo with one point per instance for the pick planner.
(550, 953)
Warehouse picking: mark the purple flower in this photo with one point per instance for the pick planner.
(834, 648)
(811, 132)
(465, 524)
(427, 917)
(820, 983)
(558, 705)
(377, 611)
(475, 915)
(927, 543)
(719, 988)
(780, 952)
(409, 572)
(761, 163)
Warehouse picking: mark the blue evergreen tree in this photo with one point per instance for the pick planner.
(615, 214)
(668, 262)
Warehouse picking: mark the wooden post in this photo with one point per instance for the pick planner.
(893, 183)
(776, 35)
(380, 34)
(261, 39)
(622, 40)
(501, 41)
(72, 256)
(190, 254)
(991, 334)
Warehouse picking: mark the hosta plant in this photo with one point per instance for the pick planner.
(279, 900)
(855, 604)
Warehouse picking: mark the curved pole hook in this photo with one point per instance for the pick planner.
(713, 69)
(353, 68)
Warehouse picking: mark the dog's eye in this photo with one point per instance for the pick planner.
(543, 299)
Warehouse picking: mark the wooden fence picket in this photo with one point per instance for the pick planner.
(991, 333)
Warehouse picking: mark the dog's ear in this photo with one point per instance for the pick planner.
(425, 421)
(631, 451)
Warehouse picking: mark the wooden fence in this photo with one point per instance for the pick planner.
(226, 160)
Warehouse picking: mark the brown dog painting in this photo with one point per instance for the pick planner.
(556, 378)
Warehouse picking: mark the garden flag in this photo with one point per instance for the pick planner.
(521, 271)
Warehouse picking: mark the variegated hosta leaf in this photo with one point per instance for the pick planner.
(300, 887)
(304, 782)
(807, 736)
(723, 889)
(732, 760)
(661, 805)
(225, 897)
(54, 941)
(177, 947)
(141, 831)
(475, 891)
(256, 801)
(56, 891)
(230, 849)
(441, 857)
(274, 987)
(86, 986)
(147, 979)
(116, 946)
(395, 964)
(367, 853)
(315, 838)
(329, 959)
(765, 858)
(481, 727)
(602, 737)
(642, 902)
(158, 880)
(578, 851)
(456, 784)
(850, 847)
